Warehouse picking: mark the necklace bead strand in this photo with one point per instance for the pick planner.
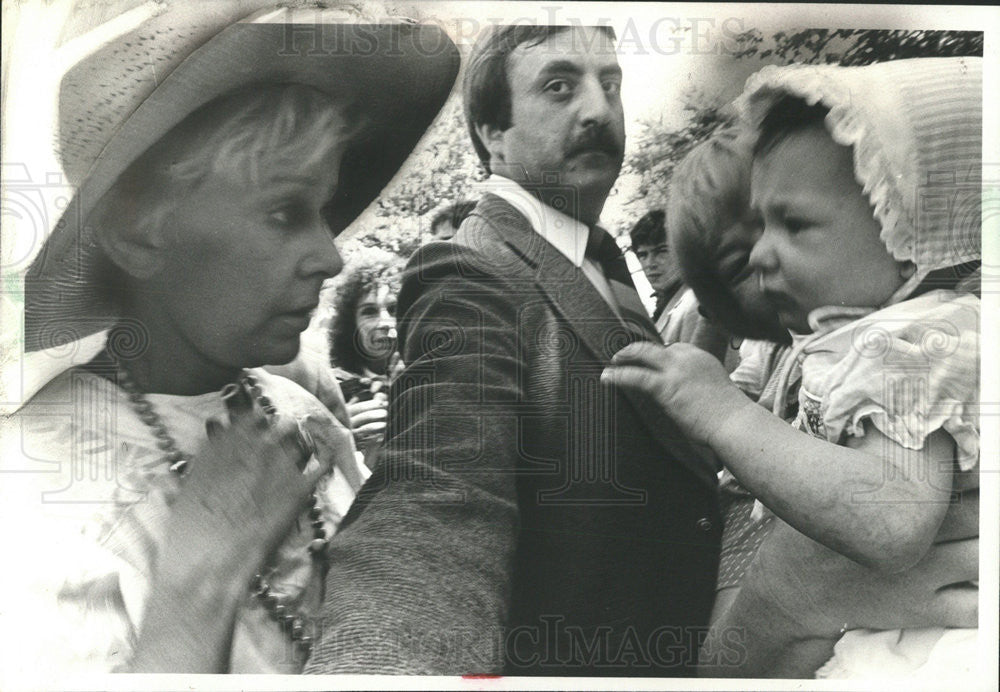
(292, 624)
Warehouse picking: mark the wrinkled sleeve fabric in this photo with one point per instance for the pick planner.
(420, 572)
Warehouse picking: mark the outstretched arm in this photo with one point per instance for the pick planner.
(420, 571)
(849, 499)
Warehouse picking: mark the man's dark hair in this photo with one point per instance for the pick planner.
(454, 214)
(485, 88)
(787, 115)
(649, 230)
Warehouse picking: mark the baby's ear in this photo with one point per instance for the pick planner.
(135, 243)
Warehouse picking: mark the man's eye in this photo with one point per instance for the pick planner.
(794, 224)
(612, 86)
(558, 86)
(367, 312)
(391, 309)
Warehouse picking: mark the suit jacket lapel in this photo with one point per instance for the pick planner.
(572, 295)
(566, 286)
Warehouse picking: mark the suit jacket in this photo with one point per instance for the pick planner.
(524, 519)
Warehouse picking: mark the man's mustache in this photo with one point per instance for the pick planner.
(599, 139)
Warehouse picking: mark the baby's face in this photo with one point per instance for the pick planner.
(820, 244)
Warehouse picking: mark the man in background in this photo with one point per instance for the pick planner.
(675, 315)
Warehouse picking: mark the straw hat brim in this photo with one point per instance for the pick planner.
(397, 75)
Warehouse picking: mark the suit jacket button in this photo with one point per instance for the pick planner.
(704, 524)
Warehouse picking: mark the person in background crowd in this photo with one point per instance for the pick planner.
(676, 313)
(362, 339)
(649, 243)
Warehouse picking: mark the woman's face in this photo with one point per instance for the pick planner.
(375, 316)
(244, 263)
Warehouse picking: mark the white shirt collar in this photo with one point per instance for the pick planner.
(565, 234)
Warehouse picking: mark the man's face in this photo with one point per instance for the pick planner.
(567, 126)
(657, 265)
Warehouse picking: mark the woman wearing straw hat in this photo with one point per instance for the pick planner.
(191, 495)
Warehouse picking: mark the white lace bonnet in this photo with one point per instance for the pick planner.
(915, 127)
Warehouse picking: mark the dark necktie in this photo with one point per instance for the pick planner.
(603, 249)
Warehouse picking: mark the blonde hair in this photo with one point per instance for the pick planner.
(236, 132)
(274, 123)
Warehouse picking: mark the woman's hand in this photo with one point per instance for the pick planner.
(240, 498)
(798, 591)
(686, 383)
(368, 419)
(244, 488)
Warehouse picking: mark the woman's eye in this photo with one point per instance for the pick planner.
(288, 215)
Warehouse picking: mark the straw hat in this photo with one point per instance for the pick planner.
(915, 129)
(121, 99)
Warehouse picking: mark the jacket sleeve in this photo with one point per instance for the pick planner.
(420, 572)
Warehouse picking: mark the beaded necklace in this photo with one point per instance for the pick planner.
(292, 623)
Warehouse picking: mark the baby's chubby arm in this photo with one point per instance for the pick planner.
(851, 500)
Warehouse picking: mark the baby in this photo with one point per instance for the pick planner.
(878, 294)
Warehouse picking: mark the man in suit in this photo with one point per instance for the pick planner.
(525, 519)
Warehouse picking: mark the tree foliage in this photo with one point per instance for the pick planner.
(657, 151)
(858, 46)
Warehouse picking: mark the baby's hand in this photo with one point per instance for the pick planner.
(686, 383)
